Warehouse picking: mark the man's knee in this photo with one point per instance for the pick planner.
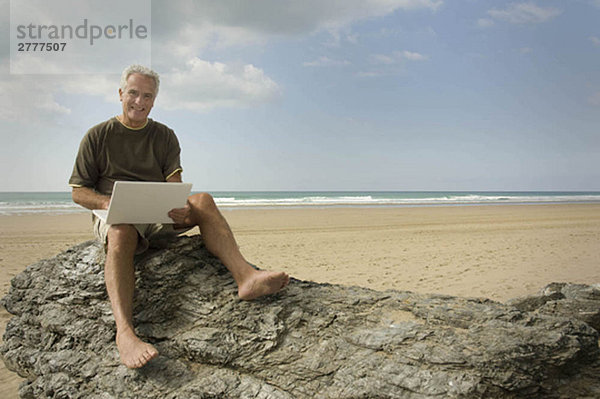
(121, 236)
(202, 203)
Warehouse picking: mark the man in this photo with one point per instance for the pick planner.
(133, 147)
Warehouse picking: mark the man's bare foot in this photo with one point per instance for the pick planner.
(262, 283)
(134, 352)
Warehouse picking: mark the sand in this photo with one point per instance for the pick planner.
(498, 252)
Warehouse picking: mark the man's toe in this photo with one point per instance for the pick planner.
(149, 355)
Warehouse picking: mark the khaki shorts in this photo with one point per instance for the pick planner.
(146, 232)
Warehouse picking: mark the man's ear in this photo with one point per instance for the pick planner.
(120, 94)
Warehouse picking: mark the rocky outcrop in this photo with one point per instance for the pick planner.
(579, 301)
(309, 341)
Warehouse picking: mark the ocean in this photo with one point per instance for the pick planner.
(20, 203)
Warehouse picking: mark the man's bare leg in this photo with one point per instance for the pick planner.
(219, 240)
(119, 275)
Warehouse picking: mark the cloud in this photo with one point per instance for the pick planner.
(485, 22)
(524, 13)
(203, 85)
(382, 59)
(24, 99)
(352, 38)
(370, 74)
(198, 87)
(185, 28)
(595, 98)
(325, 62)
(595, 40)
(36, 98)
(413, 56)
(390, 64)
(190, 27)
(284, 17)
(188, 33)
(105, 86)
(396, 57)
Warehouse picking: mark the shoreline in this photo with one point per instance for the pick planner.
(497, 252)
(59, 202)
(225, 208)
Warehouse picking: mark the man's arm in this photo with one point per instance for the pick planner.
(176, 178)
(89, 198)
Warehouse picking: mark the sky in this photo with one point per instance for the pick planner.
(340, 95)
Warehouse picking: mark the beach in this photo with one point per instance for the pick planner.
(493, 251)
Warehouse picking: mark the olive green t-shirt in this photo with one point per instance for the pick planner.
(110, 151)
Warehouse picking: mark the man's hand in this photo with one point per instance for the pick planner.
(181, 216)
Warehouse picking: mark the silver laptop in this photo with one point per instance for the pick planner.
(144, 202)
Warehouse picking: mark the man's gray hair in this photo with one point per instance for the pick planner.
(142, 70)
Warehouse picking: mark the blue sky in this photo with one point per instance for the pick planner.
(341, 95)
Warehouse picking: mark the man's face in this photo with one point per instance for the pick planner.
(137, 99)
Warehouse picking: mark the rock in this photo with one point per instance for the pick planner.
(309, 341)
(579, 301)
